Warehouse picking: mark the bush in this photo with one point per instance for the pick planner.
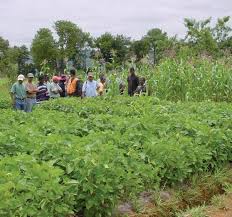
(31, 189)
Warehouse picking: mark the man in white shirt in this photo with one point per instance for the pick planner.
(55, 89)
(90, 87)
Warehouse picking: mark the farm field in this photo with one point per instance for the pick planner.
(115, 155)
(75, 156)
(116, 108)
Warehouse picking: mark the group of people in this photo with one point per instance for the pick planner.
(25, 95)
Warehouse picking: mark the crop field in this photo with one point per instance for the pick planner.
(124, 112)
(84, 156)
(73, 157)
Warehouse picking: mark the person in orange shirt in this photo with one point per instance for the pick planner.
(101, 86)
(72, 87)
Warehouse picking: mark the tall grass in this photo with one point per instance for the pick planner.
(184, 80)
(198, 81)
(4, 88)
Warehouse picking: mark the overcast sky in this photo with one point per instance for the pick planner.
(20, 19)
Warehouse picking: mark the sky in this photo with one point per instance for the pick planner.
(21, 19)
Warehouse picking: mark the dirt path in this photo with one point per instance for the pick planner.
(224, 211)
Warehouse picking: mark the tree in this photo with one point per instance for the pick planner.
(23, 57)
(71, 40)
(19, 56)
(140, 49)
(158, 41)
(113, 48)
(4, 45)
(8, 66)
(222, 33)
(200, 35)
(105, 44)
(44, 48)
(121, 46)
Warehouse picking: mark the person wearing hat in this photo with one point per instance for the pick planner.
(18, 94)
(31, 90)
(55, 88)
(90, 87)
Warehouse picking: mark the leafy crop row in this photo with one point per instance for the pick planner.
(85, 156)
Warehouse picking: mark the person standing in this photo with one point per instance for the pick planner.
(31, 90)
(55, 89)
(141, 89)
(18, 94)
(90, 86)
(72, 87)
(62, 84)
(101, 86)
(121, 85)
(133, 82)
(42, 93)
(47, 83)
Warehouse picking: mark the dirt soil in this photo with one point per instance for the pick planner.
(225, 211)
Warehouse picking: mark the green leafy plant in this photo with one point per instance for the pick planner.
(28, 188)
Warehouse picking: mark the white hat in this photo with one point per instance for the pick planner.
(21, 77)
(90, 74)
(30, 75)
